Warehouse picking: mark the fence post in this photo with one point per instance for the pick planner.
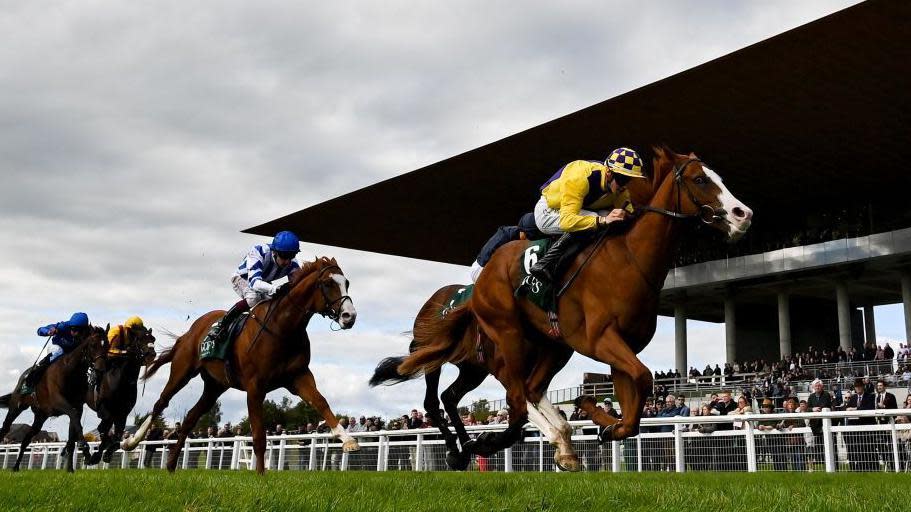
(209, 455)
(281, 454)
(751, 446)
(186, 454)
(31, 453)
(343, 465)
(312, 465)
(680, 463)
(828, 451)
(639, 454)
(895, 459)
(540, 451)
(235, 454)
(507, 459)
(141, 464)
(616, 446)
(59, 460)
(47, 449)
(419, 453)
(124, 459)
(164, 453)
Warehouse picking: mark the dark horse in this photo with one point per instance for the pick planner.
(61, 391)
(116, 396)
(610, 313)
(457, 340)
(272, 351)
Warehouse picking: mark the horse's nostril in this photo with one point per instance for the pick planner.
(738, 212)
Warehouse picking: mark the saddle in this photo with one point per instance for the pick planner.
(219, 339)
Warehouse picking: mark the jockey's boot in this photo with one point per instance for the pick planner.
(546, 269)
(236, 310)
(35, 373)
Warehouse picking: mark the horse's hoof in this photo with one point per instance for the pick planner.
(568, 463)
(350, 446)
(107, 457)
(15, 469)
(458, 461)
(94, 459)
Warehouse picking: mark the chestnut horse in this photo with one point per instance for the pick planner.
(60, 391)
(272, 351)
(116, 395)
(455, 338)
(609, 314)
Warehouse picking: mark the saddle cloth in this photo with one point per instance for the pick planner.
(216, 347)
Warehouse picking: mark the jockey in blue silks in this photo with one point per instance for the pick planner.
(65, 336)
(261, 267)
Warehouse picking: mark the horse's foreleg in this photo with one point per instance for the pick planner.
(119, 426)
(104, 431)
(305, 387)
(11, 415)
(40, 418)
(632, 382)
(255, 410)
(75, 435)
(210, 393)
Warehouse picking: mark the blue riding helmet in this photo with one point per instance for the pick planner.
(78, 320)
(286, 241)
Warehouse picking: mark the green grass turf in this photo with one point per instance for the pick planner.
(201, 490)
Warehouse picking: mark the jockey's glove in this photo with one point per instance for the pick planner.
(264, 287)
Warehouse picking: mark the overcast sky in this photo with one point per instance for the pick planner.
(139, 138)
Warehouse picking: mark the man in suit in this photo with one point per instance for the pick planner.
(819, 400)
(883, 440)
(861, 454)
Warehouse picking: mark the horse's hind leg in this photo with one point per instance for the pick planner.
(40, 418)
(183, 369)
(11, 415)
(305, 387)
(75, 435)
(470, 377)
(104, 430)
(210, 394)
(119, 426)
(432, 406)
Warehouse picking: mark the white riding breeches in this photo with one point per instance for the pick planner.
(242, 288)
(548, 220)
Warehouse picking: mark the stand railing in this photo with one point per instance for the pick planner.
(703, 443)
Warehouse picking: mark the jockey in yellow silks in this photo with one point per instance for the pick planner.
(119, 336)
(581, 198)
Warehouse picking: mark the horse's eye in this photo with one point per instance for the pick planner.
(700, 180)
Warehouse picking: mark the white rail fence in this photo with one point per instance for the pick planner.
(705, 443)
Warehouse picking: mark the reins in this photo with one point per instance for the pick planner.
(332, 309)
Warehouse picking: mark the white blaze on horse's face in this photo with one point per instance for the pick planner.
(738, 216)
(347, 313)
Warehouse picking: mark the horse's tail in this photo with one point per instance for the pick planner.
(165, 357)
(437, 340)
(5, 401)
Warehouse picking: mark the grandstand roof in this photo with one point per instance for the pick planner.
(800, 125)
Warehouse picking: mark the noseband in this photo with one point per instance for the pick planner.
(708, 214)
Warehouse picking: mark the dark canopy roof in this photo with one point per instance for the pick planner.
(813, 120)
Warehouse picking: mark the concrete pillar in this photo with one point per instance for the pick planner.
(869, 325)
(680, 340)
(730, 329)
(844, 315)
(906, 300)
(784, 324)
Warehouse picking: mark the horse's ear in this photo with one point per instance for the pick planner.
(107, 328)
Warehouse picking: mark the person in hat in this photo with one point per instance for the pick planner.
(609, 409)
(65, 336)
(859, 457)
(581, 198)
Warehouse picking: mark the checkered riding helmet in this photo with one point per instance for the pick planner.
(625, 161)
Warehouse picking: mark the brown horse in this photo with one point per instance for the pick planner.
(60, 391)
(272, 351)
(455, 338)
(609, 314)
(116, 395)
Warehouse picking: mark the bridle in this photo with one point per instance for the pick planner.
(714, 214)
(331, 308)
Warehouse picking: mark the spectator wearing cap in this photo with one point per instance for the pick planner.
(609, 409)
(772, 443)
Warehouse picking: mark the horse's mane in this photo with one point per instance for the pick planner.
(309, 267)
(85, 344)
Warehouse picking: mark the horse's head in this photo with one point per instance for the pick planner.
(700, 192)
(142, 344)
(332, 300)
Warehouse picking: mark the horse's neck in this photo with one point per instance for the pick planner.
(295, 315)
(654, 239)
